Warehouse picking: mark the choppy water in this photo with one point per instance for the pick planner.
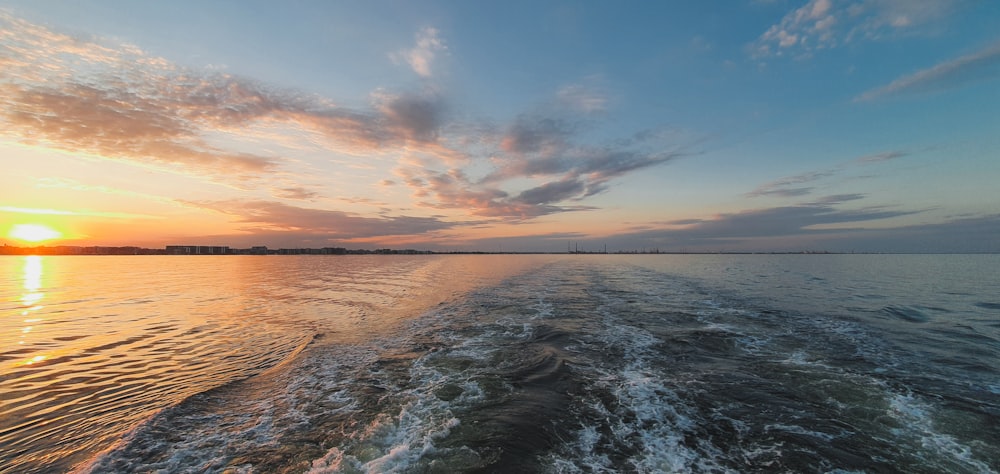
(583, 363)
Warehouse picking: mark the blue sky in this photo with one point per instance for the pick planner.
(842, 125)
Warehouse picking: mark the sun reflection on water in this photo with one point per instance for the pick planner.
(34, 269)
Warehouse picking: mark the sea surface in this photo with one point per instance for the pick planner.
(500, 363)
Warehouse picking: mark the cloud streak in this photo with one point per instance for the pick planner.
(978, 66)
(58, 212)
(776, 228)
(789, 186)
(801, 184)
(275, 217)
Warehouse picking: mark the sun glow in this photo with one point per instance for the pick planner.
(33, 232)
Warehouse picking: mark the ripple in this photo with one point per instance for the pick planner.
(907, 313)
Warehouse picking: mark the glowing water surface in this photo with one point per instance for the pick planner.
(501, 363)
(91, 346)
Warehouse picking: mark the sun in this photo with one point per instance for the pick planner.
(33, 232)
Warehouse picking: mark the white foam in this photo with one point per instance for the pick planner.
(407, 440)
(647, 418)
(392, 444)
(542, 309)
(916, 421)
(803, 359)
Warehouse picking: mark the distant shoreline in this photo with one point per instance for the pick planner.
(264, 251)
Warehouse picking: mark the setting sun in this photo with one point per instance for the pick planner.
(34, 232)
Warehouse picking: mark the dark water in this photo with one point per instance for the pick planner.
(601, 364)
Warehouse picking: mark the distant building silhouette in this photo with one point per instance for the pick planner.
(197, 250)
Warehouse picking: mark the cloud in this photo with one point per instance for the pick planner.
(72, 184)
(421, 56)
(553, 191)
(58, 212)
(788, 186)
(583, 98)
(295, 192)
(454, 190)
(978, 66)
(578, 172)
(823, 24)
(807, 27)
(879, 157)
(838, 199)
(814, 226)
(575, 175)
(777, 228)
(83, 118)
(879, 15)
(271, 217)
(532, 134)
(973, 234)
(783, 221)
(792, 186)
(414, 116)
(116, 101)
(546, 148)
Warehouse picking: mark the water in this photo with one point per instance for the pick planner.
(500, 363)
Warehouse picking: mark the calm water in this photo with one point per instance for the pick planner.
(584, 363)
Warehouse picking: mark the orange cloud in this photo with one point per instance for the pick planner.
(117, 102)
(266, 216)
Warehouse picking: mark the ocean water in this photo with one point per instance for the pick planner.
(500, 363)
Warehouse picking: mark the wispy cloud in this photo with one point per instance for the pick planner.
(777, 228)
(269, 216)
(822, 24)
(783, 221)
(537, 134)
(790, 186)
(547, 148)
(60, 212)
(978, 66)
(72, 184)
(879, 157)
(421, 56)
(837, 199)
(296, 193)
(118, 102)
(585, 98)
(544, 145)
(805, 183)
(416, 116)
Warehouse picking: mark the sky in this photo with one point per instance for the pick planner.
(743, 125)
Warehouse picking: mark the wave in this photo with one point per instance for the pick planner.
(907, 313)
(110, 459)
